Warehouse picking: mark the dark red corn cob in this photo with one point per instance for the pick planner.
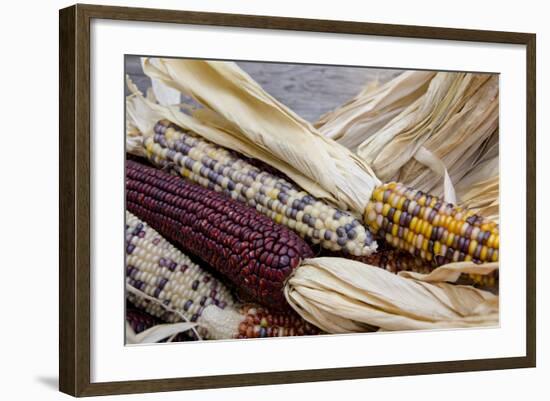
(253, 252)
(259, 322)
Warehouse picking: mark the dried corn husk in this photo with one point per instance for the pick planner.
(157, 333)
(142, 114)
(373, 108)
(453, 120)
(341, 296)
(447, 129)
(256, 124)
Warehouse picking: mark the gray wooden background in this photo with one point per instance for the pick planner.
(309, 90)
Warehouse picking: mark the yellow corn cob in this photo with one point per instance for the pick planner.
(430, 228)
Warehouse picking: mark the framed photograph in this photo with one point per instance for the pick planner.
(278, 200)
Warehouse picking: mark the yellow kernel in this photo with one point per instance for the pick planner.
(394, 230)
(472, 247)
(450, 239)
(495, 256)
(483, 253)
(423, 227)
(452, 226)
(422, 200)
(385, 209)
(428, 230)
(390, 198)
(278, 218)
(400, 203)
(437, 247)
(396, 216)
(413, 224)
(410, 237)
(497, 240)
(467, 258)
(491, 241)
(378, 194)
(425, 244)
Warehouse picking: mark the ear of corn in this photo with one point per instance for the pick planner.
(253, 321)
(172, 288)
(249, 249)
(430, 228)
(159, 270)
(218, 169)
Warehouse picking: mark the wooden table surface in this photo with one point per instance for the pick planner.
(309, 90)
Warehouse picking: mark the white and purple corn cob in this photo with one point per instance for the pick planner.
(156, 268)
(216, 168)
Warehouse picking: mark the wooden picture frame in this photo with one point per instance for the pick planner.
(74, 203)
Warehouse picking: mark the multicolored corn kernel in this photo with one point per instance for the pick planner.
(259, 322)
(246, 247)
(395, 261)
(430, 228)
(218, 169)
(156, 268)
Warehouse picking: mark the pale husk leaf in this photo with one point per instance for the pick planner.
(455, 116)
(368, 295)
(157, 333)
(452, 271)
(455, 120)
(365, 114)
(272, 128)
(144, 114)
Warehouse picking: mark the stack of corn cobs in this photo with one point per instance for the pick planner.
(216, 239)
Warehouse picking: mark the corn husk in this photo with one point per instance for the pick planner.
(336, 294)
(453, 120)
(358, 295)
(447, 132)
(256, 124)
(368, 112)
